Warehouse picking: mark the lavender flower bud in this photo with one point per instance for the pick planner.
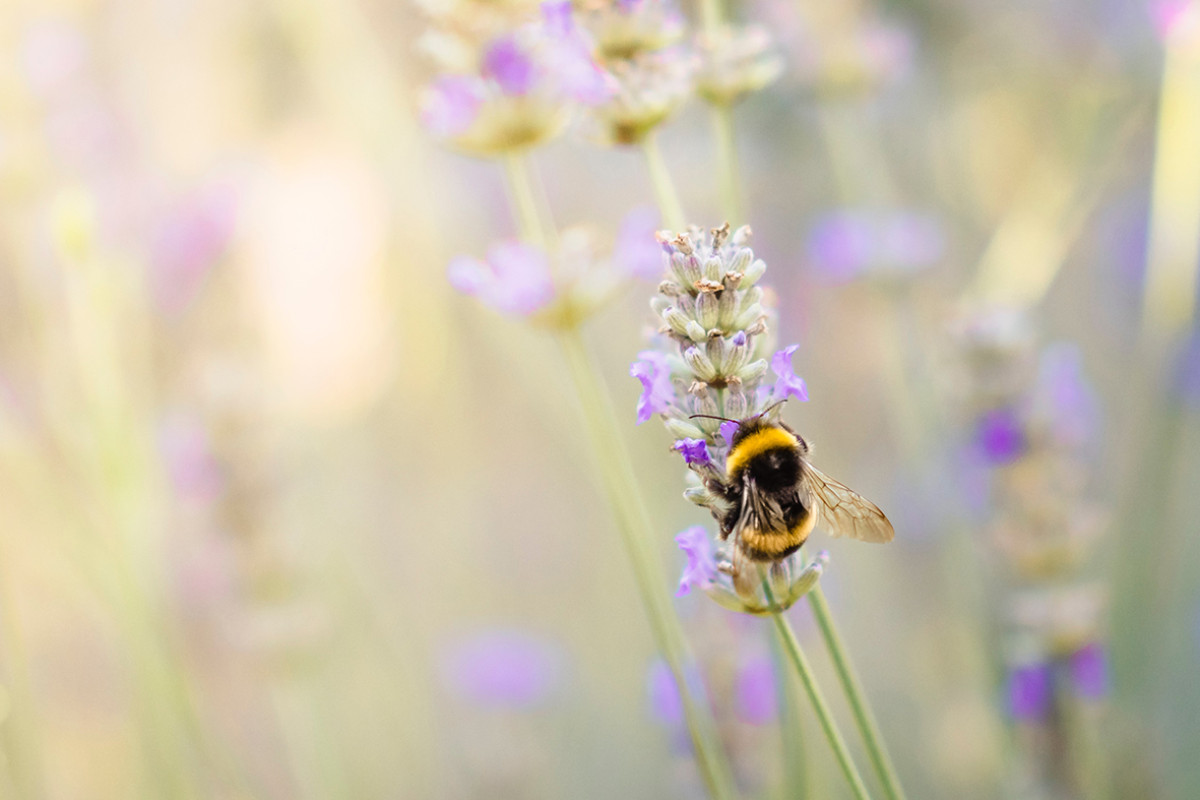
(707, 311)
(700, 364)
(740, 261)
(753, 371)
(676, 319)
(727, 307)
(695, 331)
(749, 316)
(682, 429)
(752, 274)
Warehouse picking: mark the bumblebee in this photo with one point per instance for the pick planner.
(776, 497)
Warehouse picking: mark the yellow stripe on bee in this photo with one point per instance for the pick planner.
(755, 444)
(774, 543)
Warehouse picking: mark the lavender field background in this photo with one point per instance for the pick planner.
(286, 514)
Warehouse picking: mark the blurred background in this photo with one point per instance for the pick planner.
(283, 515)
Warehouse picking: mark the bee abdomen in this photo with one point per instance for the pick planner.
(761, 545)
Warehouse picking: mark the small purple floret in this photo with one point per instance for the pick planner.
(636, 252)
(695, 452)
(1000, 436)
(663, 694)
(701, 569)
(1089, 671)
(654, 372)
(503, 668)
(510, 66)
(515, 279)
(1029, 690)
(788, 384)
(754, 692)
(450, 104)
(728, 431)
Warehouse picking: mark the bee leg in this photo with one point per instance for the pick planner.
(745, 575)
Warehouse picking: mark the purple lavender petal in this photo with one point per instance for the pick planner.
(1064, 392)
(663, 695)
(1166, 14)
(654, 372)
(515, 279)
(637, 252)
(1000, 436)
(839, 244)
(788, 383)
(187, 454)
(754, 692)
(523, 275)
(510, 66)
(187, 243)
(728, 431)
(468, 275)
(695, 452)
(1029, 690)
(557, 16)
(576, 75)
(911, 240)
(1089, 671)
(503, 668)
(701, 569)
(450, 104)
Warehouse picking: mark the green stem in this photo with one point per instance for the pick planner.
(633, 523)
(791, 646)
(711, 16)
(633, 520)
(524, 200)
(791, 733)
(863, 718)
(731, 195)
(664, 188)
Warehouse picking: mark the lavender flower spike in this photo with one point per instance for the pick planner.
(715, 334)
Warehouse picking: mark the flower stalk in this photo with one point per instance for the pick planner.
(864, 719)
(664, 187)
(633, 523)
(615, 468)
(791, 646)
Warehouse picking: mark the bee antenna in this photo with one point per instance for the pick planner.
(771, 408)
(710, 416)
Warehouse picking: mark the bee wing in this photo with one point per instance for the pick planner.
(845, 512)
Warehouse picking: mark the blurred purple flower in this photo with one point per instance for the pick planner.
(508, 63)
(729, 429)
(450, 104)
(1089, 671)
(754, 692)
(1165, 15)
(187, 242)
(187, 455)
(788, 383)
(695, 452)
(1029, 689)
(567, 56)
(1064, 397)
(846, 244)
(1000, 436)
(654, 372)
(701, 567)
(663, 695)
(637, 252)
(503, 668)
(515, 278)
